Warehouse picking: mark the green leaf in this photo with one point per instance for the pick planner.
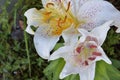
(106, 71)
(101, 73)
(58, 69)
(58, 45)
(73, 77)
(53, 70)
(115, 63)
(113, 73)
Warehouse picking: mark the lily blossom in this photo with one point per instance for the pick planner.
(81, 56)
(59, 17)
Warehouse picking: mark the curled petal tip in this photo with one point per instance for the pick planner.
(118, 30)
(29, 30)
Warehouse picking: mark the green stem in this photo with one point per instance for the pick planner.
(27, 51)
(26, 43)
(15, 17)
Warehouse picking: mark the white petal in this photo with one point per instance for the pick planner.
(44, 42)
(44, 2)
(104, 56)
(70, 36)
(67, 70)
(118, 30)
(101, 32)
(75, 5)
(97, 12)
(89, 73)
(62, 52)
(55, 2)
(29, 30)
(33, 19)
(84, 34)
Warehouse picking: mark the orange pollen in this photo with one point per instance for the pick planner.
(68, 7)
(64, 19)
(49, 4)
(59, 22)
(47, 13)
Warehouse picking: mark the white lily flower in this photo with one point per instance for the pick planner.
(64, 17)
(81, 56)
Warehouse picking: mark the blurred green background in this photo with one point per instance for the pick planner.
(19, 60)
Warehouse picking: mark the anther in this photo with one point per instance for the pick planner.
(68, 7)
(78, 49)
(59, 22)
(91, 58)
(47, 13)
(49, 4)
(96, 53)
(93, 46)
(86, 63)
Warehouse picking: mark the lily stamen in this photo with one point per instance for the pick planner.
(64, 19)
(49, 4)
(68, 7)
(47, 13)
(59, 22)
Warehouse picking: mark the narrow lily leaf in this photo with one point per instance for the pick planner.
(58, 45)
(50, 68)
(113, 73)
(73, 77)
(101, 73)
(116, 63)
(105, 71)
(58, 69)
(53, 70)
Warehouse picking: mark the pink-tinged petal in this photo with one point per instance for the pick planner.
(33, 19)
(97, 12)
(104, 56)
(44, 41)
(89, 73)
(101, 32)
(70, 36)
